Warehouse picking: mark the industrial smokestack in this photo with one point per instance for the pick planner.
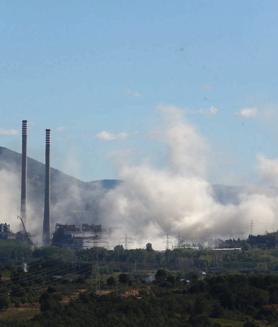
(24, 172)
(46, 219)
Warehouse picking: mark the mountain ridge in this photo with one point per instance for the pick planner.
(71, 198)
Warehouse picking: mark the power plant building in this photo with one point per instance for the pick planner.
(6, 233)
(79, 237)
(84, 236)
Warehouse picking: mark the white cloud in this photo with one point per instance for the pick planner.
(250, 112)
(178, 200)
(109, 136)
(134, 93)
(213, 110)
(8, 132)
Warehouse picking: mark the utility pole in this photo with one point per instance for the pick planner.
(167, 242)
(126, 241)
(251, 226)
(97, 271)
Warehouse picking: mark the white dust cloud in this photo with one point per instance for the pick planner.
(9, 198)
(178, 200)
(152, 202)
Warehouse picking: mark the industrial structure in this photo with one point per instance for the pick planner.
(24, 235)
(23, 206)
(80, 237)
(73, 236)
(5, 232)
(46, 218)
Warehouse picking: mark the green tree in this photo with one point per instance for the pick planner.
(149, 247)
(250, 324)
(4, 300)
(217, 310)
(111, 281)
(49, 302)
(119, 249)
(200, 321)
(123, 278)
(161, 275)
(200, 305)
(171, 279)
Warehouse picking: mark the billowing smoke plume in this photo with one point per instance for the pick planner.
(72, 201)
(9, 195)
(268, 170)
(10, 202)
(178, 200)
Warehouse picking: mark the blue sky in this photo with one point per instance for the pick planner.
(84, 67)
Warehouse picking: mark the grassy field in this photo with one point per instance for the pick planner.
(228, 323)
(19, 313)
(235, 323)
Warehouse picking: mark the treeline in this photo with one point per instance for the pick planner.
(255, 259)
(12, 252)
(267, 241)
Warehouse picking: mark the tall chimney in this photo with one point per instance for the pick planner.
(23, 172)
(46, 219)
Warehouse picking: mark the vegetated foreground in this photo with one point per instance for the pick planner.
(99, 287)
(224, 300)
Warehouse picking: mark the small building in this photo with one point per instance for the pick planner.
(6, 233)
(149, 279)
(5, 228)
(227, 249)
